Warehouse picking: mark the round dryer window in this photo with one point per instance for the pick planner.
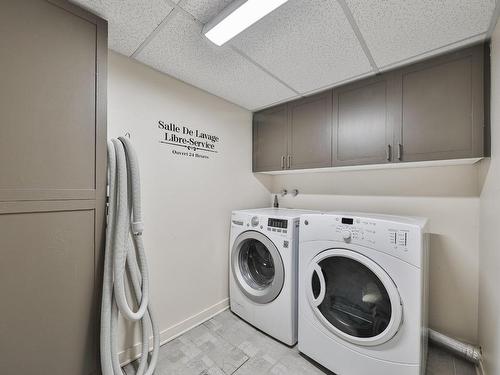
(257, 267)
(354, 297)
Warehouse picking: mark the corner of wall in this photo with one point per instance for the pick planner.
(489, 220)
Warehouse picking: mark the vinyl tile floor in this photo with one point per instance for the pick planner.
(226, 345)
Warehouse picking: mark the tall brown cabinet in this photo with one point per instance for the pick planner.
(53, 58)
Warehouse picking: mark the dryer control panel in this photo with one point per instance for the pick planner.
(365, 231)
(355, 230)
(399, 239)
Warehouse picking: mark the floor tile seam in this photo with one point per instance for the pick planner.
(246, 355)
(246, 360)
(227, 342)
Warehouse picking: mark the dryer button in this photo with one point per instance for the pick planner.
(346, 235)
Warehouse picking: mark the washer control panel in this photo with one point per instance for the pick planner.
(255, 221)
(282, 227)
(275, 225)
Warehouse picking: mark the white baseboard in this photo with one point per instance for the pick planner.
(134, 352)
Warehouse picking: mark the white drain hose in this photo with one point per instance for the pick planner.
(125, 221)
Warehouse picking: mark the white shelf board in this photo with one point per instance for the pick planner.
(414, 164)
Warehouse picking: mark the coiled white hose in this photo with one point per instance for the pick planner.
(125, 222)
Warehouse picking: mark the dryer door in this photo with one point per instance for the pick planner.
(257, 267)
(353, 297)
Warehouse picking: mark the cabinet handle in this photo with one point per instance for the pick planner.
(283, 162)
(289, 161)
(400, 151)
(388, 153)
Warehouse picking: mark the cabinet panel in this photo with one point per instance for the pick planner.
(442, 107)
(47, 98)
(310, 132)
(270, 139)
(363, 122)
(52, 185)
(47, 279)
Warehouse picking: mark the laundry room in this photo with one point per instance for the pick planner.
(247, 187)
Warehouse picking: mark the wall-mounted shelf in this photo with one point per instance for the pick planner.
(416, 164)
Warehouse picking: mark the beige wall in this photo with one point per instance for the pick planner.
(186, 202)
(489, 260)
(448, 196)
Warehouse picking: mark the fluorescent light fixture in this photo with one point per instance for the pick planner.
(236, 17)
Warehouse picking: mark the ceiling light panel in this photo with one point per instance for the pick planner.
(129, 21)
(180, 50)
(309, 44)
(396, 30)
(237, 17)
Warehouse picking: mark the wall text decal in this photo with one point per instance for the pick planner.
(197, 143)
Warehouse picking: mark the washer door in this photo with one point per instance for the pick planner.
(257, 267)
(353, 297)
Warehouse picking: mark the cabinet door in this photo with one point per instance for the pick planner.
(270, 139)
(310, 132)
(364, 115)
(53, 59)
(48, 87)
(47, 274)
(442, 107)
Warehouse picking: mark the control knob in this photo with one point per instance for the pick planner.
(346, 235)
(255, 221)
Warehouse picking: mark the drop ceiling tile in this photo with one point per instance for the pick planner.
(204, 10)
(129, 21)
(180, 50)
(396, 30)
(309, 44)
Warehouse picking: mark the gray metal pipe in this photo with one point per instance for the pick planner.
(467, 351)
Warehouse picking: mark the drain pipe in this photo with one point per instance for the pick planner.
(469, 352)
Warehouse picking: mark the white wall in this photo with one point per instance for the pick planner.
(186, 201)
(489, 260)
(448, 196)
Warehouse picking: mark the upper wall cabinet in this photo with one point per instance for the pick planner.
(442, 107)
(310, 132)
(270, 129)
(296, 135)
(364, 119)
(431, 110)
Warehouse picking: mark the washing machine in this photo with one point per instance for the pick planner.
(363, 293)
(263, 270)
